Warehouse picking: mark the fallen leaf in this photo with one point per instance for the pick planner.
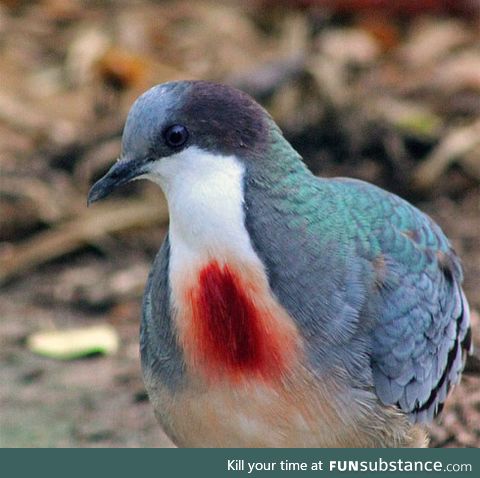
(74, 343)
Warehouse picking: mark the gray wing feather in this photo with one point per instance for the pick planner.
(423, 334)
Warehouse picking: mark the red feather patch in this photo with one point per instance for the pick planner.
(234, 326)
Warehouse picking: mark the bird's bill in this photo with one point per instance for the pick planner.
(123, 171)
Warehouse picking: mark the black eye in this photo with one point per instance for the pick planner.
(176, 135)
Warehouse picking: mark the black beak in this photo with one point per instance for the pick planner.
(120, 173)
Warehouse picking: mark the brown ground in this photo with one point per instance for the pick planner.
(391, 97)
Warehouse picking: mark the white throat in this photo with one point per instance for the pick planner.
(205, 198)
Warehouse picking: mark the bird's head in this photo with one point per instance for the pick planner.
(173, 124)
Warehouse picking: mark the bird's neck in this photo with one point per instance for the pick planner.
(206, 196)
(206, 210)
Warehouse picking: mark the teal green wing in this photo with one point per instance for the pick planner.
(422, 332)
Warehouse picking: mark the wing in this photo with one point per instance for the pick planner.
(422, 335)
(380, 286)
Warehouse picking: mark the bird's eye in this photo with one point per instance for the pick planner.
(176, 135)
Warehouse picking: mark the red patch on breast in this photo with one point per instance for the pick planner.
(233, 328)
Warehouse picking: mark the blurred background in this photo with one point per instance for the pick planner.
(384, 91)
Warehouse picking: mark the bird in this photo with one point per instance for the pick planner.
(284, 309)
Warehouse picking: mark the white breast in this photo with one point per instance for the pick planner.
(205, 198)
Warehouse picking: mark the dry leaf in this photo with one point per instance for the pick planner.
(74, 343)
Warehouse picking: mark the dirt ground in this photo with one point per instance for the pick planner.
(389, 96)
